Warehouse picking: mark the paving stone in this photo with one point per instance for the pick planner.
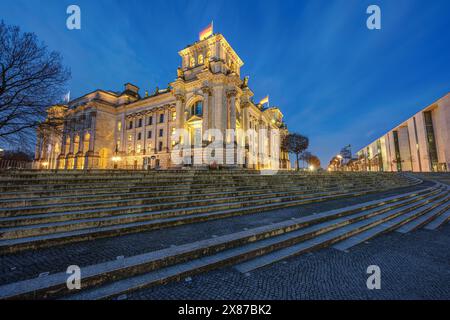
(414, 267)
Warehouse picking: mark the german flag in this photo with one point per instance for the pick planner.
(264, 100)
(205, 33)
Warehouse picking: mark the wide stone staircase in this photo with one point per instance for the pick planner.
(45, 209)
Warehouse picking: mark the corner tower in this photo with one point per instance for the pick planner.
(213, 52)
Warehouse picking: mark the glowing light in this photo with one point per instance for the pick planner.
(116, 159)
(311, 167)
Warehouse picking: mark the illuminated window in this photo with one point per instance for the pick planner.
(119, 126)
(138, 148)
(174, 115)
(130, 137)
(192, 62)
(173, 130)
(197, 108)
(200, 59)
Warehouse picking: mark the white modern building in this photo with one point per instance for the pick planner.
(419, 144)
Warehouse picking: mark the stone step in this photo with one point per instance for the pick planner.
(439, 221)
(41, 241)
(26, 225)
(52, 181)
(424, 219)
(71, 185)
(100, 191)
(219, 251)
(130, 214)
(142, 204)
(71, 202)
(16, 216)
(348, 231)
(389, 225)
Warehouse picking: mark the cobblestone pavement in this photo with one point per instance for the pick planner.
(413, 266)
(29, 264)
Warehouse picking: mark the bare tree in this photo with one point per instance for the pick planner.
(31, 79)
(296, 143)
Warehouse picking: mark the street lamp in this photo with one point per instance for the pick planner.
(116, 159)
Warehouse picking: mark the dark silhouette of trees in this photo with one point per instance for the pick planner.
(31, 79)
(296, 143)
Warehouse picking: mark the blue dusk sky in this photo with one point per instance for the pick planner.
(335, 81)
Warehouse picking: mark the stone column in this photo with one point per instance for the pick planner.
(167, 127)
(72, 142)
(92, 133)
(219, 109)
(205, 123)
(156, 131)
(231, 124)
(179, 108)
(123, 139)
(232, 112)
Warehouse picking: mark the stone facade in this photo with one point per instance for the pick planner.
(420, 144)
(104, 129)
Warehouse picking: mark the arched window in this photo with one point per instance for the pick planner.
(197, 109)
(200, 59)
(192, 62)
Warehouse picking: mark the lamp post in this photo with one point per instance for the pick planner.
(116, 158)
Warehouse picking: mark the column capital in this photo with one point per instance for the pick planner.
(180, 97)
(231, 93)
(207, 90)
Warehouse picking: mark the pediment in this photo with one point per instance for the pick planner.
(194, 119)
